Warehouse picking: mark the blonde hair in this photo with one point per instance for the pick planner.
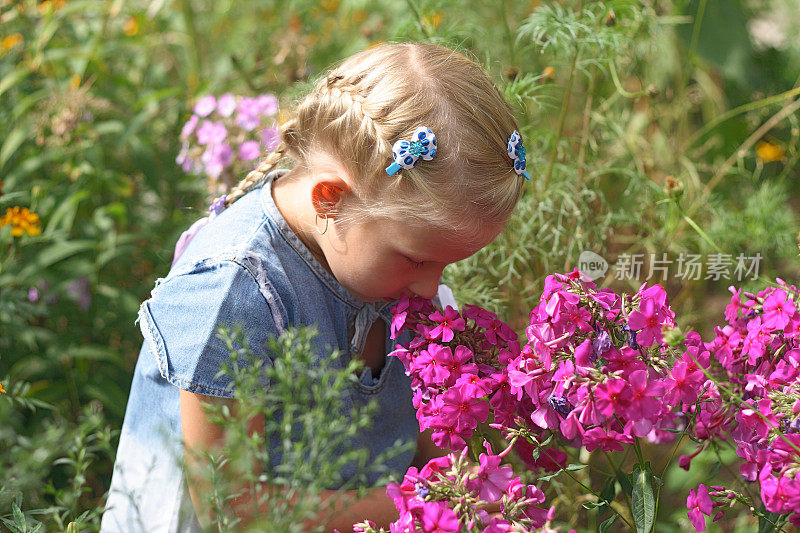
(359, 108)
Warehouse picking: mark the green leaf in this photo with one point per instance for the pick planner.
(12, 142)
(19, 518)
(607, 524)
(642, 500)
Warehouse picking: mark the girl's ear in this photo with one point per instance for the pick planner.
(327, 194)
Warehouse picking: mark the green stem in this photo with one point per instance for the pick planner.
(195, 56)
(698, 23)
(599, 498)
(418, 16)
(618, 85)
(563, 115)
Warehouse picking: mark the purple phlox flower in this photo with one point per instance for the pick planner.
(248, 113)
(267, 104)
(211, 133)
(226, 105)
(205, 106)
(601, 343)
(422, 490)
(216, 158)
(33, 295)
(218, 205)
(189, 127)
(249, 150)
(561, 405)
(78, 290)
(631, 334)
(447, 322)
(270, 137)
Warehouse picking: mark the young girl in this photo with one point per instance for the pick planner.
(406, 159)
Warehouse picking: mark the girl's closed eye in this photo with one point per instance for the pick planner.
(415, 264)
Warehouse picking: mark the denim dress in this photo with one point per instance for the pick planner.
(244, 266)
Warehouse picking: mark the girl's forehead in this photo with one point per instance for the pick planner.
(435, 243)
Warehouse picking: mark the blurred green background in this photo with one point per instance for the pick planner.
(656, 127)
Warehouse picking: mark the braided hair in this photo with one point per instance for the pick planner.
(359, 108)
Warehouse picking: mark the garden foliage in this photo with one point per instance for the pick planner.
(665, 129)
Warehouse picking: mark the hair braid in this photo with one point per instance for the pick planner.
(266, 165)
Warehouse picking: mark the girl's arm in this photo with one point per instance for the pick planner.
(199, 433)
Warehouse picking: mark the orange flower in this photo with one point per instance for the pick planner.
(434, 20)
(330, 5)
(131, 26)
(21, 221)
(10, 41)
(548, 73)
(768, 152)
(2, 390)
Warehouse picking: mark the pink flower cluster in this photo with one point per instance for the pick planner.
(753, 398)
(596, 370)
(425, 498)
(219, 136)
(455, 364)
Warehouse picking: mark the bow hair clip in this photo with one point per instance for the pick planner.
(517, 153)
(406, 154)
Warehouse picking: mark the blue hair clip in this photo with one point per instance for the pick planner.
(517, 152)
(407, 154)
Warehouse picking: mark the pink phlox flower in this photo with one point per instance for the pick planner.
(777, 310)
(612, 397)
(438, 518)
(480, 315)
(498, 332)
(447, 322)
(399, 313)
(404, 355)
(437, 465)
(780, 494)
(755, 341)
(624, 360)
(404, 493)
(498, 525)
(492, 479)
(732, 309)
(428, 366)
(755, 425)
(450, 437)
(558, 302)
(584, 357)
(576, 318)
(462, 410)
(474, 386)
(456, 363)
(205, 106)
(644, 400)
(682, 386)
(608, 441)
(571, 427)
(648, 321)
(699, 504)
